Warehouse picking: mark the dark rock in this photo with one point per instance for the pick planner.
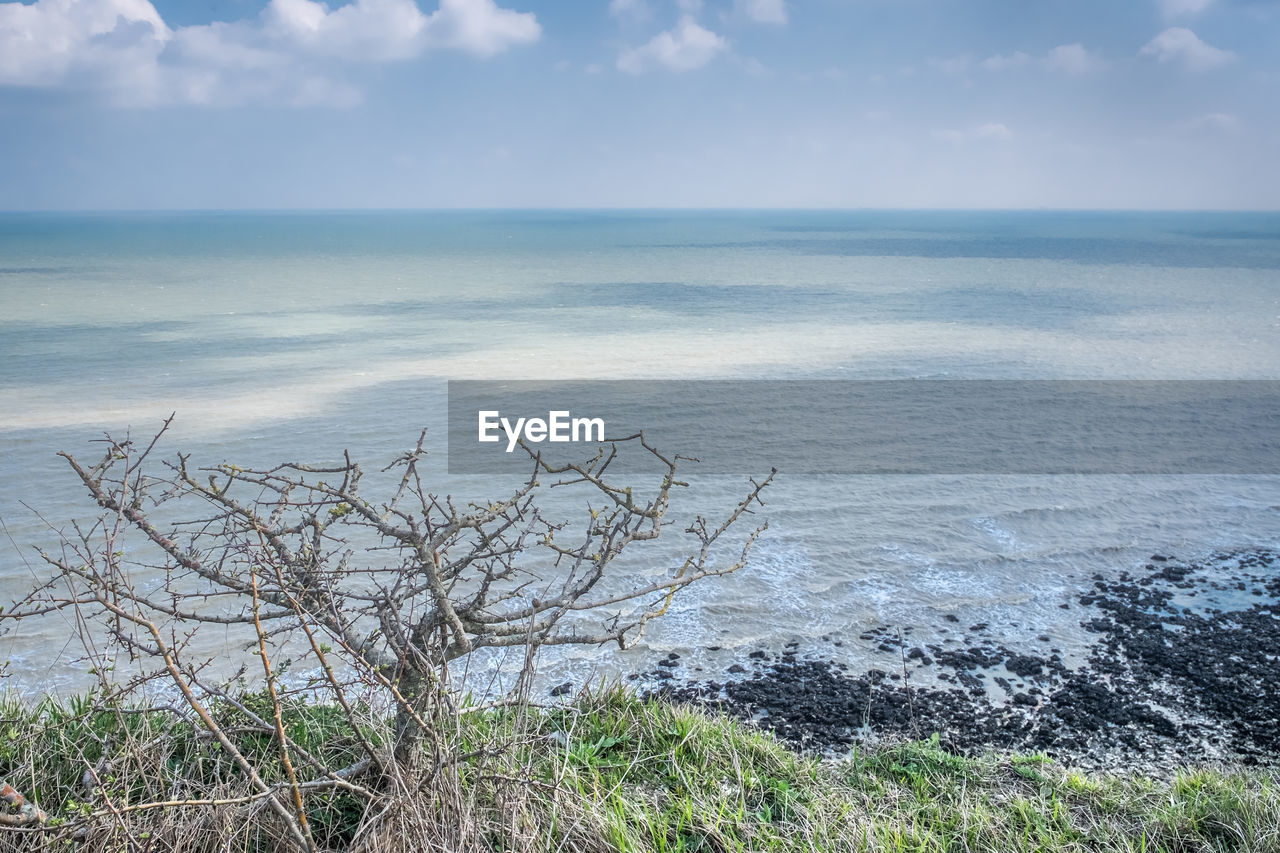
(1213, 665)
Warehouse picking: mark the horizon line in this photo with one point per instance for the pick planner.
(629, 209)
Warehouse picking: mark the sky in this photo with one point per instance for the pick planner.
(284, 104)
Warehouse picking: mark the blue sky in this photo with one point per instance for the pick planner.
(124, 104)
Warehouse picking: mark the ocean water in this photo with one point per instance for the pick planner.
(278, 336)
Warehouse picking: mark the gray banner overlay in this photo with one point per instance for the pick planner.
(883, 427)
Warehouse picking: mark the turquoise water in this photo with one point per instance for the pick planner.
(278, 336)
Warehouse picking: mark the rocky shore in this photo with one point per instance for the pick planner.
(1185, 669)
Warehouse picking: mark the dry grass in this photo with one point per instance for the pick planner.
(611, 773)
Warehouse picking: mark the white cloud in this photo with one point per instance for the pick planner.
(50, 41)
(478, 26)
(286, 54)
(684, 48)
(222, 64)
(1179, 8)
(1067, 58)
(1073, 59)
(955, 65)
(1181, 44)
(763, 11)
(1222, 122)
(1001, 62)
(637, 9)
(366, 30)
(990, 132)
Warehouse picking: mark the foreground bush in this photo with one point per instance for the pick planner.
(369, 592)
(610, 773)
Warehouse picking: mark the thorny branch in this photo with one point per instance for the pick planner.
(378, 597)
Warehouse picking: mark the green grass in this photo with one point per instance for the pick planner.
(614, 773)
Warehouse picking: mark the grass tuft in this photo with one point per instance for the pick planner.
(610, 773)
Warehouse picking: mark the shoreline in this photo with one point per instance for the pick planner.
(1173, 682)
(1183, 669)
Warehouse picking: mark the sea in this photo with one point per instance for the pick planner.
(296, 336)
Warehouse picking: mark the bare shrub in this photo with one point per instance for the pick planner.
(365, 601)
